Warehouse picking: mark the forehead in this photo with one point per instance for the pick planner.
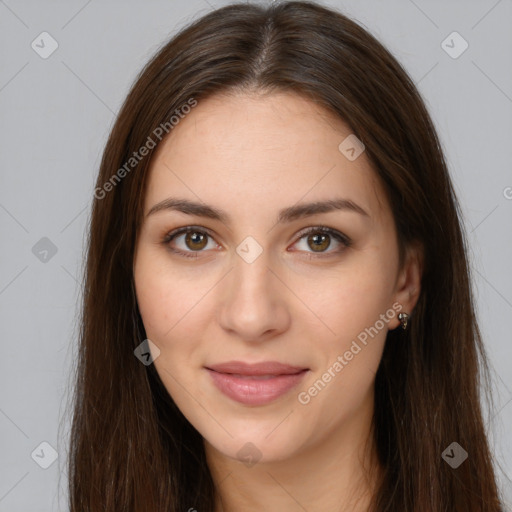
(266, 151)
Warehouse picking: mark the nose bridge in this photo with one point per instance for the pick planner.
(251, 274)
(252, 302)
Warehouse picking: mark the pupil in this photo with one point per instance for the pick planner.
(196, 238)
(321, 238)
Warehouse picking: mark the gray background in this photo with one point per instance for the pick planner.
(56, 114)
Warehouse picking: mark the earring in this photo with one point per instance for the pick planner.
(403, 317)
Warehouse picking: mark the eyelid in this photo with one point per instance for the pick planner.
(186, 229)
(337, 235)
(325, 229)
(171, 235)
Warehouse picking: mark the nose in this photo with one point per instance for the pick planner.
(254, 306)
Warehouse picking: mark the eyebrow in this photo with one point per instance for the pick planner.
(289, 214)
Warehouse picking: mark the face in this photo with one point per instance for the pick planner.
(251, 275)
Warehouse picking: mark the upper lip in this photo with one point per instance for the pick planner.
(263, 368)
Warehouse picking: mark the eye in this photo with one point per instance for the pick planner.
(320, 239)
(195, 239)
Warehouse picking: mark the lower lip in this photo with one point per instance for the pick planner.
(255, 391)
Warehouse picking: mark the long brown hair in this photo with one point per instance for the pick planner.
(131, 449)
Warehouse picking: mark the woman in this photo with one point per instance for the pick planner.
(277, 309)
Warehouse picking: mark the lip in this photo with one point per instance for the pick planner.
(263, 368)
(255, 384)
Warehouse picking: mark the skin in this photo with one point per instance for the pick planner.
(252, 155)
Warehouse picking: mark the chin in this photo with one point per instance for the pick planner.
(257, 446)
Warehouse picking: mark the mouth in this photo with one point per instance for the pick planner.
(255, 384)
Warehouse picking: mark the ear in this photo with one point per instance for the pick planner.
(408, 283)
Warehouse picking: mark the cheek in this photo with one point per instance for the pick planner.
(165, 297)
(171, 305)
(166, 308)
(346, 362)
(353, 301)
(154, 304)
(355, 305)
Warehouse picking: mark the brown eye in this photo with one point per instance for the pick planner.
(195, 240)
(190, 241)
(319, 241)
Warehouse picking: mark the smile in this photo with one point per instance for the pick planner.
(250, 385)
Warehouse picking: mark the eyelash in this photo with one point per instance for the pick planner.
(343, 239)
